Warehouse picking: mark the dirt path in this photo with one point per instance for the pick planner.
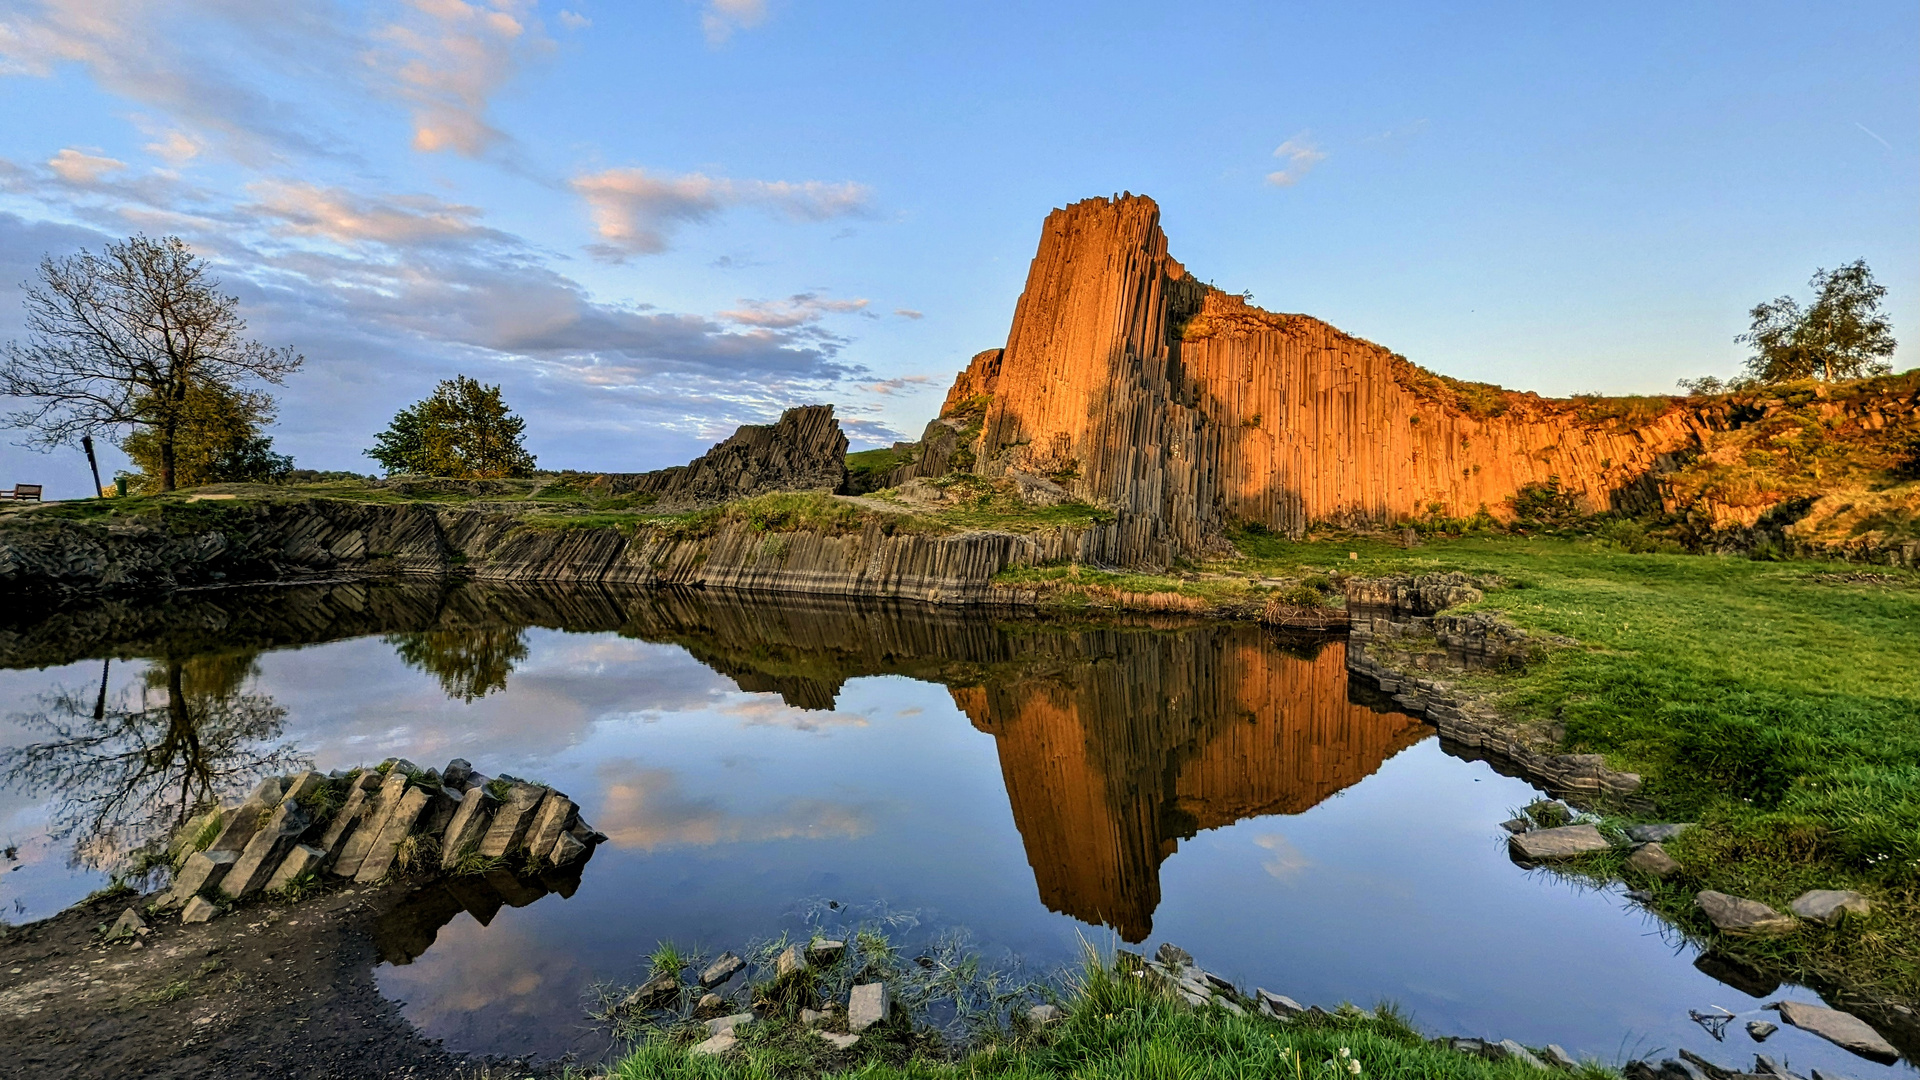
(267, 991)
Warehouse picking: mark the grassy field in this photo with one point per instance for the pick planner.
(1115, 1027)
(1778, 703)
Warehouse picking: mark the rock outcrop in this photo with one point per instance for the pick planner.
(1143, 390)
(804, 450)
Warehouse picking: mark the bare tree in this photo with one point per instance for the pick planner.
(117, 340)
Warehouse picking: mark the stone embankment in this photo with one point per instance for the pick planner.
(292, 833)
(1399, 641)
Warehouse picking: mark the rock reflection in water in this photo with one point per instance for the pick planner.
(408, 929)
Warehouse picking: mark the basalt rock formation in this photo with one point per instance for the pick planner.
(804, 450)
(1139, 388)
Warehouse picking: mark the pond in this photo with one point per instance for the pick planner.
(763, 764)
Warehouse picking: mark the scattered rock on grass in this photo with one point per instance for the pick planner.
(726, 1024)
(1828, 905)
(1564, 842)
(839, 1042)
(789, 962)
(824, 953)
(1521, 1054)
(1278, 1005)
(1842, 1029)
(1738, 915)
(1558, 1057)
(715, 1045)
(1652, 859)
(1657, 834)
(1043, 1015)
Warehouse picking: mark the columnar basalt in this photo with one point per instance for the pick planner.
(1143, 390)
(804, 450)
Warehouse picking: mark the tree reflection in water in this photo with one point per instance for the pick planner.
(469, 661)
(123, 774)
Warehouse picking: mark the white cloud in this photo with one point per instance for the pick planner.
(447, 58)
(799, 309)
(889, 387)
(1300, 155)
(346, 217)
(909, 313)
(83, 169)
(573, 20)
(1287, 862)
(174, 146)
(636, 212)
(722, 17)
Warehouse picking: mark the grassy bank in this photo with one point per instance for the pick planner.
(1777, 703)
(1115, 1026)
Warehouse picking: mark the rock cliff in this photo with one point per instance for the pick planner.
(1142, 390)
(804, 450)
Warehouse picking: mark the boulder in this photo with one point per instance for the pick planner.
(202, 871)
(1563, 842)
(512, 820)
(1042, 1015)
(825, 953)
(1829, 905)
(1842, 1029)
(199, 909)
(566, 850)
(722, 969)
(1738, 915)
(1652, 860)
(1657, 834)
(1758, 1030)
(1558, 1057)
(1516, 825)
(457, 774)
(303, 859)
(1174, 956)
(657, 992)
(126, 926)
(867, 1006)
(264, 852)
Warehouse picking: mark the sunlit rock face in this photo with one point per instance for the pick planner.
(1106, 773)
(1141, 388)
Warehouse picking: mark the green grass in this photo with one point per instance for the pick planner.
(1778, 703)
(1116, 1028)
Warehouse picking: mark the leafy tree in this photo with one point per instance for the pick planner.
(122, 339)
(469, 662)
(1842, 335)
(464, 430)
(218, 441)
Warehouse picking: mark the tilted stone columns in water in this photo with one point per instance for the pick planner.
(511, 820)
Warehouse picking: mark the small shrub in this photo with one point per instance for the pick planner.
(1545, 505)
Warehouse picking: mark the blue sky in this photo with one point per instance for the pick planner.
(653, 221)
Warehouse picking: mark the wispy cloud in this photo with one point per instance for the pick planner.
(799, 309)
(722, 17)
(1300, 156)
(1873, 134)
(888, 387)
(447, 58)
(650, 808)
(81, 168)
(909, 313)
(573, 20)
(346, 217)
(636, 212)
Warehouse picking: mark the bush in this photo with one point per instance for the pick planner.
(1545, 505)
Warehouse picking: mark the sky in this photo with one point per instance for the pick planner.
(651, 221)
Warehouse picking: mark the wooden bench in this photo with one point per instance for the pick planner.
(21, 493)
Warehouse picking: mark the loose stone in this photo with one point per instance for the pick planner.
(715, 1045)
(1279, 1004)
(653, 993)
(1520, 1053)
(825, 953)
(1758, 1030)
(1564, 842)
(789, 962)
(1516, 825)
(202, 871)
(810, 1017)
(709, 1003)
(1652, 859)
(1174, 956)
(839, 1042)
(302, 859)
(127, 925)
(1828, 905)
(867, 1006)
(199, 909)
(1842, 1029)
(721, 970)
(1738, 915)
(1558, 1057)
(726, 1024)
(1042, 1015)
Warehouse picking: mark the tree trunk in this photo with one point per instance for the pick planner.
(167, 432)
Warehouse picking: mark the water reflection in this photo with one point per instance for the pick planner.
(123, 773)
(469, 661)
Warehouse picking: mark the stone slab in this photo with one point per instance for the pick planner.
(202, 871)
(791, 961)
(724, 967)
(198, 910)
(381, 802)
(1841, 1029)
(269, 845)
(838, 1042)
(1564, 842)
(471, 818)
(728, 1023)
(554, 814)
(1652, 860)
(867, 1006)
(1738, 915)
(381, 855)
(334, 836)
(511, 820)
(715, 1045)
(1658, 833)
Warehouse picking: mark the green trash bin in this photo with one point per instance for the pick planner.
(120, 484)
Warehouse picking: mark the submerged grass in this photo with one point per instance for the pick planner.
(1777, 703)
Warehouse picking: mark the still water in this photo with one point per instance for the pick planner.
(1031, 784)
